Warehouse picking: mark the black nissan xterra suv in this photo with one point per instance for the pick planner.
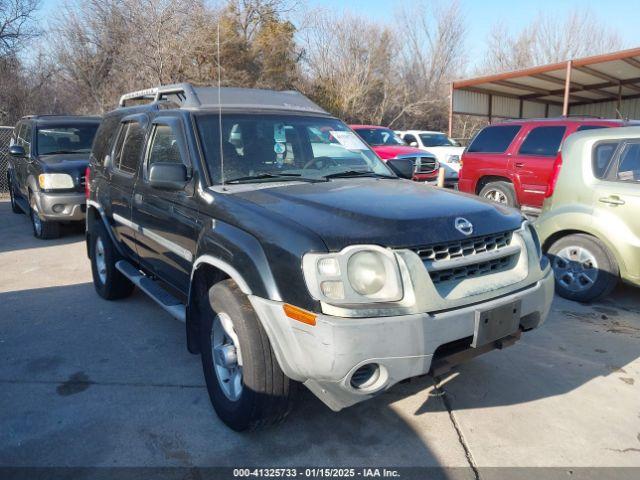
(294, 254)
(48, 158)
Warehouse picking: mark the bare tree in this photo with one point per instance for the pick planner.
(433, 54)
(17, 24)
(548, 39)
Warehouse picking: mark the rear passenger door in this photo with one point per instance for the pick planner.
(533, 163)
(618, 195)
(122, 167)
(166, 219)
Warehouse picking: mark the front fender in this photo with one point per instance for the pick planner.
(239, 255)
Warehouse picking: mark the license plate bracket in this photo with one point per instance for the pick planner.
(496, 323)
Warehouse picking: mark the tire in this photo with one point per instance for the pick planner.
(500, 192)
(107, 279)
(42, 229)
(14, 206)
(264, 396)
(571, 257)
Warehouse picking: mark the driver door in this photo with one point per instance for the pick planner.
(166, 219)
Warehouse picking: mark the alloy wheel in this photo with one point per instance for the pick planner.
(227, 359)
(575, 268)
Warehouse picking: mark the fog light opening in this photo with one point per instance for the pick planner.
(366, 376)
(58, 208)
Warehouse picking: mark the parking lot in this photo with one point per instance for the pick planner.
(86, 382)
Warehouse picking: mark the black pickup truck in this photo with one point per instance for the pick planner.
(49, 156)
(294, 254)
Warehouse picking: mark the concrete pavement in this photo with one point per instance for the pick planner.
(86, 382)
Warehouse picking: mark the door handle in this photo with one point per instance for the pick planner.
(519, 164)
(613, 200)
(137, 198)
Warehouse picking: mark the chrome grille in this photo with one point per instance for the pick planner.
(465, 247)
(425, 164)
(455, 260)
(470, 271)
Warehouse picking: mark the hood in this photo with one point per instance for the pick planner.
(442, 152)
(391, 213)
(67, 163)
(386, 152)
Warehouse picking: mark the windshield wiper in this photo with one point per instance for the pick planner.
(272, 176)
(357, 173)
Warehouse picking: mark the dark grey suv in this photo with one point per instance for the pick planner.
(48, 158)
(294, 254)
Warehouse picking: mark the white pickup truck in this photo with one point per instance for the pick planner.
(446, 150)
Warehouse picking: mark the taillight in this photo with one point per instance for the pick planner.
(557, 165)
(87, 172)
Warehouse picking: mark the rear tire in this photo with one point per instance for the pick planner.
(108, 281)
(500, 192)
(583, 267)
(262, 394)
(42, 229)
(14, 206)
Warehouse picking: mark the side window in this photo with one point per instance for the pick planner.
(629, 164)
(164, 146)
(104, 138)
(601, 158)
(132, 148)
(410, 139)
(543, 141)
(24, 138)
(494, 139)
(128, 147)
(582, 128)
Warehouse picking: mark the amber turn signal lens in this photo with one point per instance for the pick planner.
(299, 314)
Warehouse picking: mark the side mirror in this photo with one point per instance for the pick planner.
(413, 144)
(17, 151)
(403, 167)
(168, 176)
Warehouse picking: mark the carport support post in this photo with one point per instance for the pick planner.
(567, 89)
(450, 110)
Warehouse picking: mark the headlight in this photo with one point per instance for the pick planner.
(356, 275)
(366, 272)
(55, 181)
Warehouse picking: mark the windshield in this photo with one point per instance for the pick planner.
(262, 148)
(437, 140)
(66, 139)
(377, 137)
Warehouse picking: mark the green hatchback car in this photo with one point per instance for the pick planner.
(590, 222)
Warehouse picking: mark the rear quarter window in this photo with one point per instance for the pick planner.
(543, 141)
(601, 158)
(104, 138)
(494, 139)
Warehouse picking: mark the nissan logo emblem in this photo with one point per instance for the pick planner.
(464, 226)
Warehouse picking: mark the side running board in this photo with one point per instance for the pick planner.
(168, 302)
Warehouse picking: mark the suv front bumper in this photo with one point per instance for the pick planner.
(325, 356)
(61, 206)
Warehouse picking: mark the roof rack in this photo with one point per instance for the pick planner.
(188, 96)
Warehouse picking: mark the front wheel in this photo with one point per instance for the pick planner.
(583, 267)
(246, 386)
(42, 229)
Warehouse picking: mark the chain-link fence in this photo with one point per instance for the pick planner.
(5, 136)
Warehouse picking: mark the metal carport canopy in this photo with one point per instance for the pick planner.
(602, 85)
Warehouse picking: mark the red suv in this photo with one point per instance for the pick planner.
(513, 162)
(389, 146)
